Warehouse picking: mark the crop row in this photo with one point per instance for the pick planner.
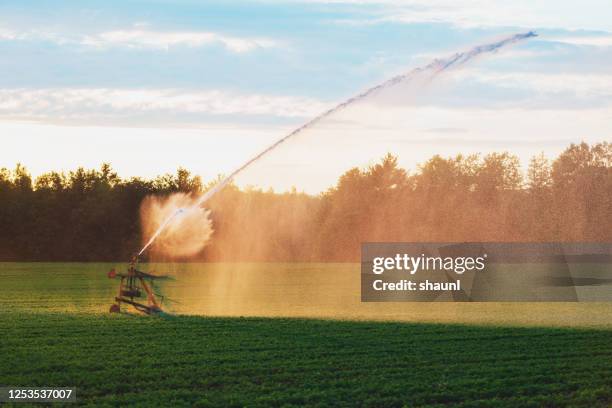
(235, 362)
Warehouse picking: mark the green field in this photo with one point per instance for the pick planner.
(55, 333)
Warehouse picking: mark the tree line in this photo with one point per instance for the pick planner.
(93, 215)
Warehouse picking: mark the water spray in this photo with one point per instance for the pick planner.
(162, 227)
(436, 67)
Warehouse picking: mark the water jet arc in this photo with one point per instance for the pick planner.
(435, 67)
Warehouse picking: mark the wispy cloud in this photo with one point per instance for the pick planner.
(470, 13)
(580, 85)
(165, 39)
(67, 103)
(521, 90)
(8, 34)
(595, 40)
(143, 38)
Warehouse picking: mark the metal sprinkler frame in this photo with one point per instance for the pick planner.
(135, 284)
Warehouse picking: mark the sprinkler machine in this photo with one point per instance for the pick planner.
(136, 289)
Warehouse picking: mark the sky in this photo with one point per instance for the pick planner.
(149, 86)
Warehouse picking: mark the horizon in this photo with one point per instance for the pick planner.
(472, 159)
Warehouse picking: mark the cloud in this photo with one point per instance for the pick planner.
(445, 130)
(594, 14)
(79, 103)
(596, 40)
(579, 85)
(7, 34)
(523, 90)
(138, 38)
(142, 37)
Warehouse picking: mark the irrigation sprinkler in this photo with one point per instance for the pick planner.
(136, 289)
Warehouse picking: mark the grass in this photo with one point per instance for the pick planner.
(197, 361)
(53, 334)
(310, 290)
